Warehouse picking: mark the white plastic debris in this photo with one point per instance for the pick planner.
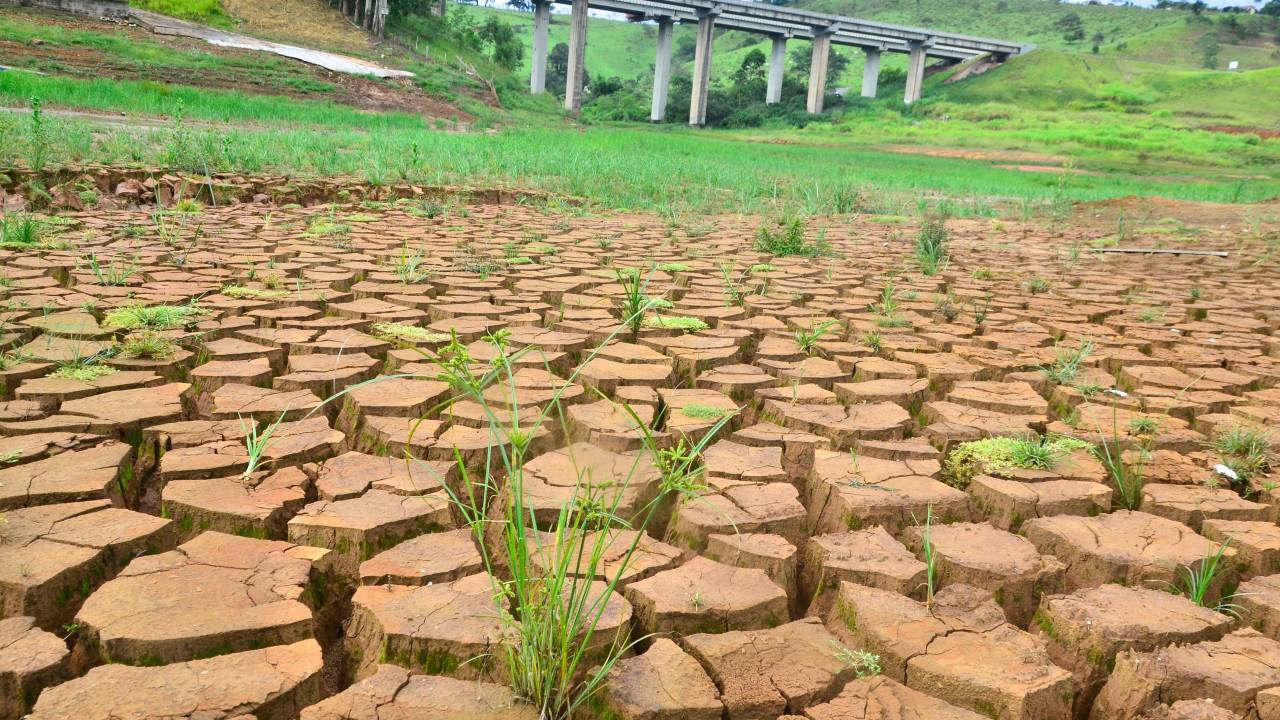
(1226, 472)
(1117, 392)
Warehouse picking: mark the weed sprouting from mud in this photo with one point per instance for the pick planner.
(931, 245)
(1067, 363)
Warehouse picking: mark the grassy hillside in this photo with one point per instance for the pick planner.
(1033, 21)
(1049, 79)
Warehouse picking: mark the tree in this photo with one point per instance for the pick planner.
(1209, 50)
(521, 5)
(1072, 27)
(505, 49)
(1272, 8)
(557, 68)
(752, 68)
(802, 60)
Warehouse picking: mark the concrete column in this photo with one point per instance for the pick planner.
(662, 70)
(915, 72)
(541, 28)
(702, 70)
(818, 73)
(777, 66)
(871, 73)
(577, 55)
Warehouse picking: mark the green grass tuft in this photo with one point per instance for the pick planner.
(1001, 455)
(156, 317)
(675, 322)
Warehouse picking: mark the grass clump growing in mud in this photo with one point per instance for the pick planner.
(115, 272)
(1197, 582)
(20, 231)
(400, 333)
(147, 345)
(411, 267)
(786, 236)
(1126, 477)
(634, 302)
(703, 412)
(930, 556)
(155, 317)
(1003, 455)
(887, 308)
(931, 245)
(241, 292)
(1246, 451)
(257, 441)
(808, 340)
(83, 371)
(1067, 363)
(675, 322)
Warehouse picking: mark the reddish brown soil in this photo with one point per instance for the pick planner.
(1235, 130)
(335, 579)
(1155, 210)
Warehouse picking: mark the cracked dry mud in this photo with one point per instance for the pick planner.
(144, 574)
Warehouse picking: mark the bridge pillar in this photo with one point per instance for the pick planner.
(662, 70)
(871, 73)
(777, 66)
(818, 73)
(541, 28)
(577, 55)
(701, 69)
(915, 72)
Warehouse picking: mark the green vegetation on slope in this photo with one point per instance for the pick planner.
(119, 53)
(1048, 79)
(156, 99)
(205, 11)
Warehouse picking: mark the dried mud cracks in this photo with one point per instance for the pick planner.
(143, 574)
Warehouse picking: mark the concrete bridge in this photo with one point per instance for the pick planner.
(779, 23)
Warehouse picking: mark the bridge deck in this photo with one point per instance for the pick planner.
(790, 22)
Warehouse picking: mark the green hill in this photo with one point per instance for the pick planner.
(1128, 56)
(1052, 79)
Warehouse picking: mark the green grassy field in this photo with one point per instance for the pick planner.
(1125, 127)
(822, 167)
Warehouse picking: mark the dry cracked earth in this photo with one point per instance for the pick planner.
(145, 574)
